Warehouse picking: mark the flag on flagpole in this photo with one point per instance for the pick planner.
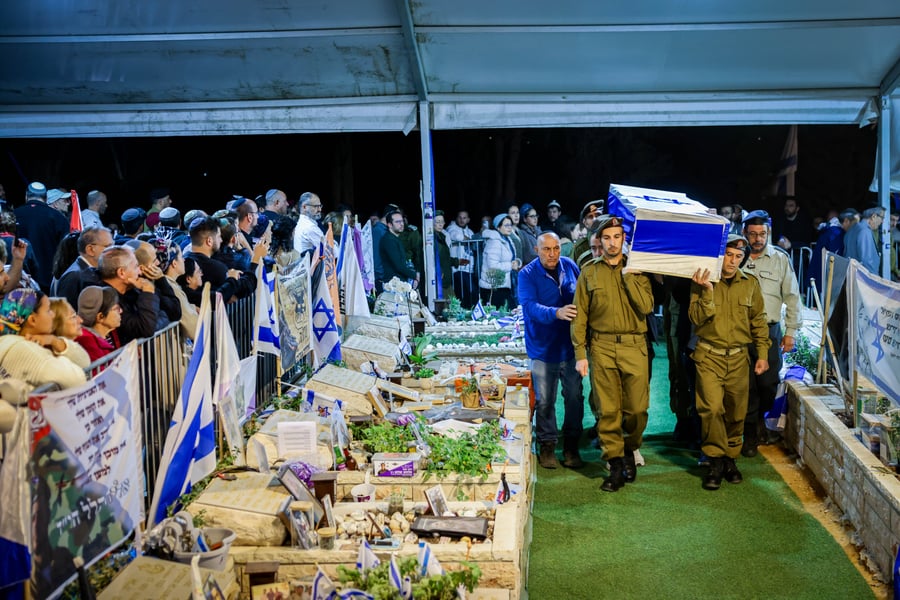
(265, 322)
(15, 510)
(323, 587)
(330, 261)
(398, 581)
(787, 167)
(355, 302)
(478, 311)
(366, 558)
(326, 338)
(189, 453)
(367, 253)
(428, 562)
(368, 278)
(227, 386)
(75, 220)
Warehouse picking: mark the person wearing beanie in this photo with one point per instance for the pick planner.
(44, 227)
(728, 316)
(499, 263)
(609, 333)
(100, 315)
(28, 349)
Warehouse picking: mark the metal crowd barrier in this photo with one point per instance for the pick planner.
(465, 285)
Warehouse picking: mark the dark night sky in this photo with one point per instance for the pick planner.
(715, 165)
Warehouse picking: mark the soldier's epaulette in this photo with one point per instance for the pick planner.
(782, 250)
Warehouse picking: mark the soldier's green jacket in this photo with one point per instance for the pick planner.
(609, 301)
(732, 314)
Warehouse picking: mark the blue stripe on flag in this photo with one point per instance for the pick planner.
(672, 237)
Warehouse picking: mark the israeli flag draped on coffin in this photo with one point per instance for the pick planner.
(669, 233)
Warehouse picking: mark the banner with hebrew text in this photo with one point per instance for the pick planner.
(875, 330)
(88, 480)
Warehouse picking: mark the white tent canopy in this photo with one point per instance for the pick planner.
(104, 68)
(127, 68)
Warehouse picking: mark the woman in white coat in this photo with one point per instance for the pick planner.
(29, 350)
(500, 264)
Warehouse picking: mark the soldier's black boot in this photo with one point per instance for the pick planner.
(630, 466)
(713, 479)
(571, 456)
(616, 479)
(730, 471)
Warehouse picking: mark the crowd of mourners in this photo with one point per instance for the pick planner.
(71, 297)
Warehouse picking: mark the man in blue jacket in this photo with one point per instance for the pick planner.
(546, 292)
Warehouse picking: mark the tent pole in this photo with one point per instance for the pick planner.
(884, 182)
(427, 202)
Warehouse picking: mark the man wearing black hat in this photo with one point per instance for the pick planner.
(611, 328)
(44, 226)
(772, 268)
(728, 316)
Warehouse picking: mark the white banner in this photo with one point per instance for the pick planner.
(875, 330)
(88, 481)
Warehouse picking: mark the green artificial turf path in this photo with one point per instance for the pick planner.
(666, 537)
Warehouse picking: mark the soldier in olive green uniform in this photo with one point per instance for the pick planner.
(611, 327)
(582, 252)
(728, 316)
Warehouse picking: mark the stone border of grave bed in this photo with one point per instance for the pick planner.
(865, 490)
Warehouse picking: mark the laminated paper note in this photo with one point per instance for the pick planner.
(296, 438)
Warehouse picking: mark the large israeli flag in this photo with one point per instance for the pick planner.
(326, 338)
(190, 451)
(669, 233)
(15, 510)
(265, 324)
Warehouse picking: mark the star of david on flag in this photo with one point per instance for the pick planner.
(326, 343)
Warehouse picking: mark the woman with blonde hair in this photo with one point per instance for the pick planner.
(67, 324)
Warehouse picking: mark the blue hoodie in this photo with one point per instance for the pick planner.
(547, 338)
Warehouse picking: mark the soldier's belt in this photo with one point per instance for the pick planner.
(617, 337)
(721, 351)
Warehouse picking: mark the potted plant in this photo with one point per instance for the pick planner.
(425, 377)
(470, 392)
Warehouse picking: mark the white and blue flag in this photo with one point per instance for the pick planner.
(366, 558)
(398, 581)
(326, 338)
(428, 562)
(669, 233)
(189, 454)
(265, 325)
(478, 312)
(323, 588)
(15, 510)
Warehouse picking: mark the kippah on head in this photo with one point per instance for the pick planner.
(36, 189)
(554, 203)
